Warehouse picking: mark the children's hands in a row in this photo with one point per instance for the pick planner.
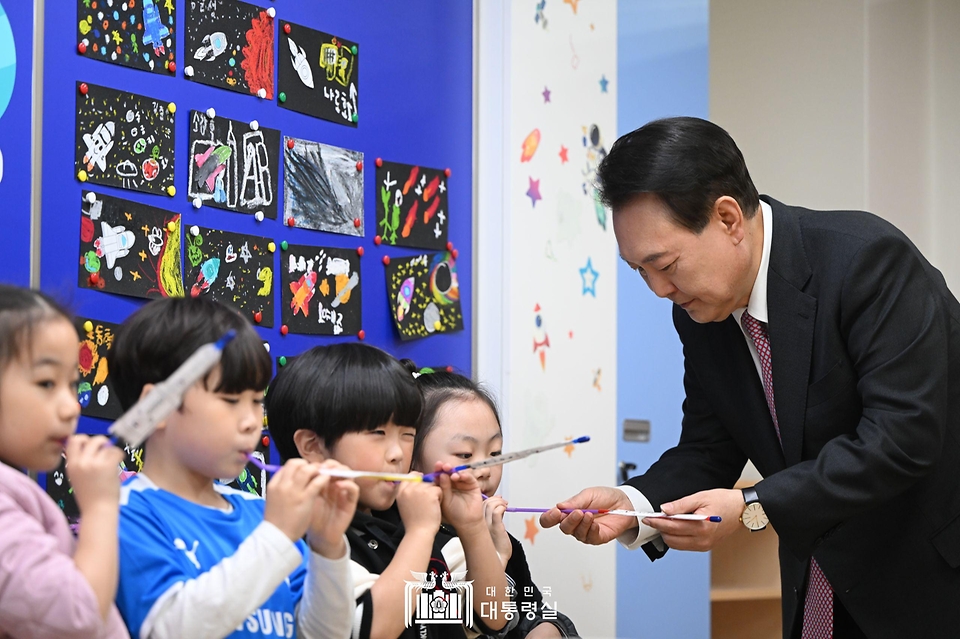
(453, 497)
(419, 506)
(301, 500)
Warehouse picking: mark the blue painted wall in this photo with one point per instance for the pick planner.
(16, 112)
(662, 70)
(416, 106)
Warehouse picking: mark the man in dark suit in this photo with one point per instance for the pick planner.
(823, 347)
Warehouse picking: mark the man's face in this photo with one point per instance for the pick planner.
(707, 274)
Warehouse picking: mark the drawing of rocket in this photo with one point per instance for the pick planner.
(404, 295)
(303, 293)
(115, 243)
(213, 45)
(210, 164)
(299, 58)
(209, 271)
(154, 31)
(99, 144)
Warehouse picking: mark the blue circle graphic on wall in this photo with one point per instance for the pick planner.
(8, 61)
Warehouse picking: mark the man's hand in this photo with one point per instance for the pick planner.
(700, 535)
(587, 527)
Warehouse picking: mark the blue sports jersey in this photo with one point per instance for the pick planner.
(166, 540)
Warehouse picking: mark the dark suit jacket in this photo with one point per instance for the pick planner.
(865, 343)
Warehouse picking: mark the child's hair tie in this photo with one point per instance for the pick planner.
(426, 370)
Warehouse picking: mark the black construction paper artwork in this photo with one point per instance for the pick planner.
(232, 268)
(140, 35)
(322, 187)
(129, 248)
(95, 391)
(423, 295)
(230, 45)
(321, 290)
(234, 165)
(124, 140)
(319, 74)
(412, 205)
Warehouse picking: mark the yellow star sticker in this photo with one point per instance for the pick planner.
(143, 256)
(134, 275)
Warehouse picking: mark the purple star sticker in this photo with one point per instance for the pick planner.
(534, 192)
(546, 95)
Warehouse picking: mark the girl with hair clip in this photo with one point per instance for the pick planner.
(460, 424)
(51, 586)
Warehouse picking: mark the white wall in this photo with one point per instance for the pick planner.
(847, 104)
(531, 254)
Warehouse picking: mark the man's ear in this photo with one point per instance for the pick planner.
(310, 446)
(728, 211)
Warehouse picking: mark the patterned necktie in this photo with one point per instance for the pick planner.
(818, 607)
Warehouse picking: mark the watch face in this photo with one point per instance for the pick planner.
(753, 516)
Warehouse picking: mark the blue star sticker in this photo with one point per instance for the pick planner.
(603, 83)
(588, 276)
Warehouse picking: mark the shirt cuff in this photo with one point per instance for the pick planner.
(325, 563)
(643, 534)
(277, 540)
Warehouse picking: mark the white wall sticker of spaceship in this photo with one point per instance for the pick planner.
(138, 423)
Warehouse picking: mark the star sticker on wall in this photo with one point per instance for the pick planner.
(534, 192)
(573, 4)
(563, 154)
(589, 276)
(532, 529)
(603, 83)
(546, 95)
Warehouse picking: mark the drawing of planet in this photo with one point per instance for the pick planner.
(8, 61)
(84, 393)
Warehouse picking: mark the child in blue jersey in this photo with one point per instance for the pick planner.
(200, 559)
(460, 424)
(358, 405)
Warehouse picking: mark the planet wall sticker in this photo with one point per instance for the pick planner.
(8, 67)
